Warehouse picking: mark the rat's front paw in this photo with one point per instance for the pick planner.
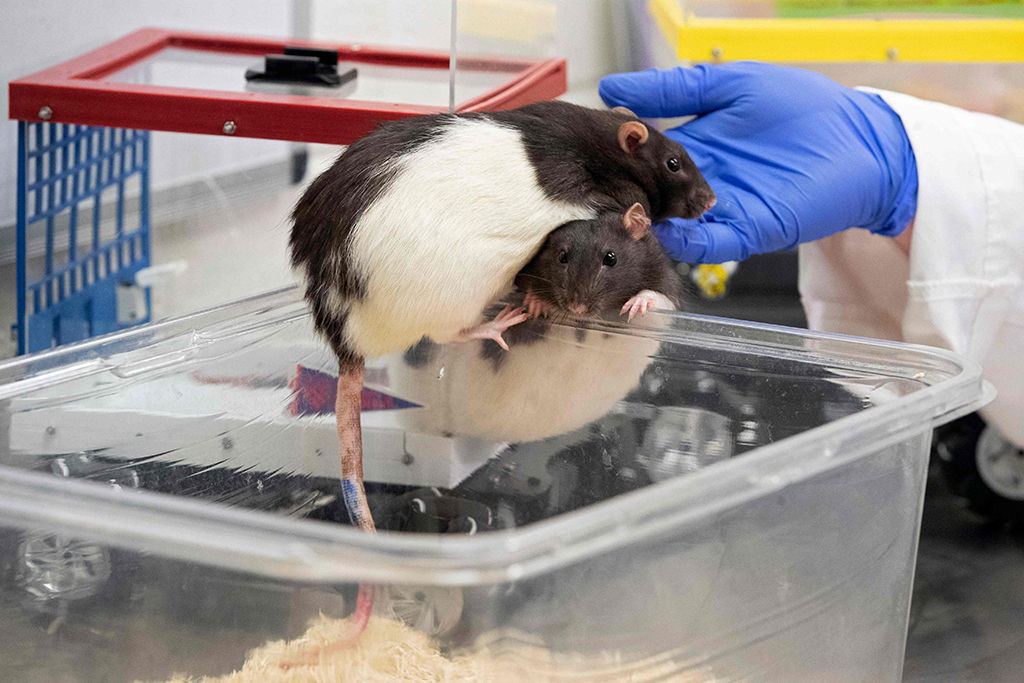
(642, 302)
(493, 329)
(534, 306)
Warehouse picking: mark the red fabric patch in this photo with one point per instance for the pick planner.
(316, 393)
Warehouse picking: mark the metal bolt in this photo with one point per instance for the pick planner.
(227, 443)
(716, 54)
(50, 431)
(229, 127)
(45, 113)
(407, 459)
(747, 437)
(892, 54)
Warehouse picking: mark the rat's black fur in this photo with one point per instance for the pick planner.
(578, 159)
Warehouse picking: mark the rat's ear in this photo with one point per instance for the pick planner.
(632, 134)
(636, 221)
(624, 110)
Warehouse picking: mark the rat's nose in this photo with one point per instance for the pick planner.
(710, 203)
(578, 309)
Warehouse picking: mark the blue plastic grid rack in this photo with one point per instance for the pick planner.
(66, 173)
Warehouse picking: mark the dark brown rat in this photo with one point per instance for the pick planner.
(607, 266)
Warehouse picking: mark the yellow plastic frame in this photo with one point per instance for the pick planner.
(839, 40)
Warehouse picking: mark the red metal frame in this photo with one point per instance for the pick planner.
(74, 92)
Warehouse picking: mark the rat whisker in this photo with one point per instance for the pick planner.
(538, 278)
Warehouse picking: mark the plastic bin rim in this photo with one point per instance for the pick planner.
(311, 551)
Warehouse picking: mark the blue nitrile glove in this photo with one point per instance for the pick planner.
(792, 156)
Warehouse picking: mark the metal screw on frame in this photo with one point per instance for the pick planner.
(407, 457)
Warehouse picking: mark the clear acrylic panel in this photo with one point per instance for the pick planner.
(486, 31)
(175, 67)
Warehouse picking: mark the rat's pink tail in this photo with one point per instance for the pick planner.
(347, 411)
(359, 513)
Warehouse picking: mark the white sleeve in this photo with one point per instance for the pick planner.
(963, 282)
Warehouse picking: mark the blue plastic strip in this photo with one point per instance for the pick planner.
(21, 229)
(144, 200)
(120, 197)
(73, 217)
(39, 163)
(51, 201)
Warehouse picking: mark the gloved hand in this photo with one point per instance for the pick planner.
(791, 155)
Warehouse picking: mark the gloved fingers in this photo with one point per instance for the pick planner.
(669, 92)
(698, 241)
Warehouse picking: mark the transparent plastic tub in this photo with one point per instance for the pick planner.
(681, 499)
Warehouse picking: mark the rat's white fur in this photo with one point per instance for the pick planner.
(542, 389)
(463, 215)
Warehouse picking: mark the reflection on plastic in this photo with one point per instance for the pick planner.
(682, 440)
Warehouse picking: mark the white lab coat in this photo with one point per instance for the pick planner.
(961, 287)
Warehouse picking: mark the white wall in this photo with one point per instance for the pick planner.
(35, 34)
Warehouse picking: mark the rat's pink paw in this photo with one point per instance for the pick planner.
(493, 329)
(641, 303)
(534, 306)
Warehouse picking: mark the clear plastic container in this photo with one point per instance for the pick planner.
(681, 499)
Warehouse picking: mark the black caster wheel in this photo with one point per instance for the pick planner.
(982, 467)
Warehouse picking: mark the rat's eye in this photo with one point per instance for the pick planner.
(563, 257)
(673, 164)
(609, 259)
